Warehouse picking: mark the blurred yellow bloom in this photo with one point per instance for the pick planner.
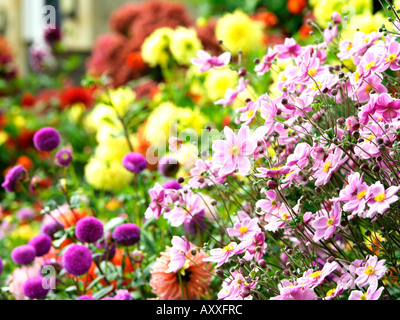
(3, 137)
(107, 175)
(75, 112)
(155, 48)
(239, 32)
(184, 45)
(121, 98)
(24, 232)
(217, 81)
(323, 9)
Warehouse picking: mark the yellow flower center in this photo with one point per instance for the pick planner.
(286, 216)
(235, 150)
(327, 166)
(350, 45)
(370, 65)
(361, 195)
(243, 230)
(390, 58)
(312, 72)
(186, 266)
(276, 169)
(330, 221)
(251, 113)
(316, 86)
(330, 292)
(369, 270)
(227, 248)
(357, 76)
(363, 297)
(315, 275)
(273, 203)
(380, 197)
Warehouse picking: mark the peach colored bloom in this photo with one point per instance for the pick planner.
(195, 278)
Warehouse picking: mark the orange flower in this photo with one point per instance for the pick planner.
(135, 61)
(113, 204)
(195, 278)
(26, 162)
(304, 31)
(296, 6)
(268, 18)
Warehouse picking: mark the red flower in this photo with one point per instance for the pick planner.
(76, 95)
(135, 61)
(296, 6)
(28, 100)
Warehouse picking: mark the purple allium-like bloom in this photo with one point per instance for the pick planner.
(77, 260)
(168, 166)
(172, 185)
(127, 234)
(1, 266)
(108, 248)
(46, 139)
(42, 244)
(85, 297)
(51, 228)
(14, 176)
(23, 255)
(123, 295)
(89, 230)
(64, 158)
(34, 289)
(26, 214)
(52, 36)
(134, 162)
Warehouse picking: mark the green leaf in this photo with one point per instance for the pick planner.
(103, 292)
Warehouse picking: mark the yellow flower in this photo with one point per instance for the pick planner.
(184, 45)
(3, 137)
(217, 81)
(323, 9)
(239, 32)
(24, 232)
(155, 49)
(107, 175)
(76, 112)
(121, 99)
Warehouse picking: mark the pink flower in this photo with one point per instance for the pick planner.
(231, 94)
(269, 205)
(331, 165)
(266, 62)
(336, 17)
(190, 207)
(330, 33)
(392, 55)
(157, 204)
(257, 241)
(269, 110)
(272, 173)
(371, 272)
(175, 144)
(180, 246)
(233, 153)
(325, 226)
(221, 256)
(289, 291)
(367, 85)
(290, 49)
(205, 174)
(244, 229)
(207, 62)
(354, 195)
(371, 294)
(380, 199)
(387, 107)
(231, 290)
(314, 278)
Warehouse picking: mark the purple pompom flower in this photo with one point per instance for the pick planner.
(123, 295)
(89, 230)
(134, 162)
(52, 228)
(77, 260)
(23, 255)
(14, 177)
(26, 214)
(174, 185)
(168, 166)
(85, 297)
(1, 266)
(34, 288)
(46, 139)
(42, 243)
(127, 234)
(64, 158)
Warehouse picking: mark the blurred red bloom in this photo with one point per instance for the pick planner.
(296, 6)
(268, 18)
(76, 95)
(28, 100)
